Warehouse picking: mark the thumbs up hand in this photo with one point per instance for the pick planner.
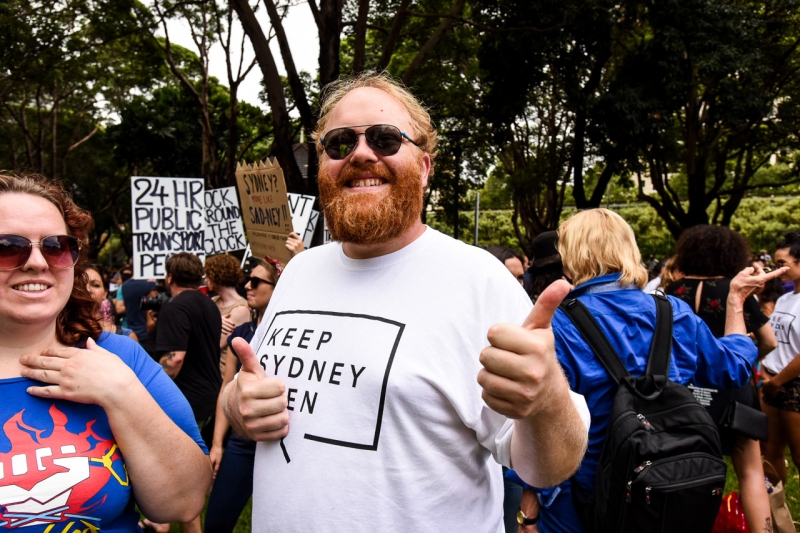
(520, 369)
(254, 403)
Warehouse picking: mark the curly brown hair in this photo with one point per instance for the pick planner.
(77, 321)
(223, 271)
(711, 251)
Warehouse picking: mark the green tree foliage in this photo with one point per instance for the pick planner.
(707, 91)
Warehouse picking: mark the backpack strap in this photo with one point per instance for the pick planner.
(661, 346)
(587, 326)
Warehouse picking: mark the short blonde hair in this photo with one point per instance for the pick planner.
(597, 242)
(424, 134)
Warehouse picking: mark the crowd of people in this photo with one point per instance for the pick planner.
(369, 385)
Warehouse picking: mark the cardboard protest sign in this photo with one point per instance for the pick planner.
(308, 234)
(224, 230)
(167, 218)
(265, 205)
(304, 217)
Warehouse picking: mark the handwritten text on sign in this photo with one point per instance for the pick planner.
(266, 208)
(168, 217)
(224, 231)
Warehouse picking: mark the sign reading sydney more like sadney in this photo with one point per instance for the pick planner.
(265, 206)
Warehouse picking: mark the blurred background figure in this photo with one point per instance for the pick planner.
(780, 389)
(233, 470)
(709, 257)
(511, 259)
(128, 303)
(223, 275)
(98, 288)
(545, 265)
(669, 273)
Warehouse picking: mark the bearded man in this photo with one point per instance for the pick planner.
(369, 383)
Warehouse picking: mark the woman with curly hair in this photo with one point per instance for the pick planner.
(90, 423)
(709, 257)
(233, 471)
(223, 274)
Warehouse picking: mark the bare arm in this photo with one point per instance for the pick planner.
(169, 472)
(221, 424)
(119, 306)
(172, 362)
(523, 380)
(776, 383)
(746, 282)
(766, 340)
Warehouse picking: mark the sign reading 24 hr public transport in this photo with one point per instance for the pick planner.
(168, 217)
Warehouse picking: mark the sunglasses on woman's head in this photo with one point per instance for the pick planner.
(383, 139)
(60, 251)
(255, 282)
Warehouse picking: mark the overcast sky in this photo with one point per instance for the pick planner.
(303, 41)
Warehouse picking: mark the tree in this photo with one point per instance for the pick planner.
(708, 93)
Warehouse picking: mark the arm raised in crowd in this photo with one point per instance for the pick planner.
(523, 380)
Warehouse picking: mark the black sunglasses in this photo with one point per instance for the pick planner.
(383, 139)
(255, 282)
(60, 251)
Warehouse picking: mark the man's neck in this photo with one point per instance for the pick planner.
(175, 290)
(368, 251)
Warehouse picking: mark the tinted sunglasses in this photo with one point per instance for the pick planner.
(255, 282)
(60, 251)
(383, 139)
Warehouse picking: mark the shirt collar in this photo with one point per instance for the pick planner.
(604, 283)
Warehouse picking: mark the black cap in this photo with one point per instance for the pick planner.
(544, 254)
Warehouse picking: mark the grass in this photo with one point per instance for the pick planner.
(792, 488)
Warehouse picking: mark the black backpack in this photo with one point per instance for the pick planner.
(661, 467)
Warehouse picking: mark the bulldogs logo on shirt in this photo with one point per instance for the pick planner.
(55, 477)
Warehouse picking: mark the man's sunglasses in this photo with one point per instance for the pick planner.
(60, 251)
(255, 282)
(383, 139)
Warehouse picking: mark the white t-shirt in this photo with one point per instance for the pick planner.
(387, 428)
(787, 331)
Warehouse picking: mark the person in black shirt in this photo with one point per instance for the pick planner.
(187, 338)
(187, 341)
(708, 257)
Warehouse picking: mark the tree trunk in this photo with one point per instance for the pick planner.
(280, 116)
(359, 55)
(329, 28)
(394, 34)
(298, 91)
(438, 34)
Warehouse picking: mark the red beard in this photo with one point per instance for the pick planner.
(367, 218)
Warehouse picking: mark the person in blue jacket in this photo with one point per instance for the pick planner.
(90, 424)
(600, 256)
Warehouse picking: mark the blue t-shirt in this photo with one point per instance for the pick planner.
(60, 467)
(627, 316)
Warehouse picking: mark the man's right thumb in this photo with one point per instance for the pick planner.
(248, 357)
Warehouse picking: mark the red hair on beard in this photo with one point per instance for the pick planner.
(366, 218)
(78, 319)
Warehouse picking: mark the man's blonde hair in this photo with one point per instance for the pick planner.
(597, 242)
(424, 134)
